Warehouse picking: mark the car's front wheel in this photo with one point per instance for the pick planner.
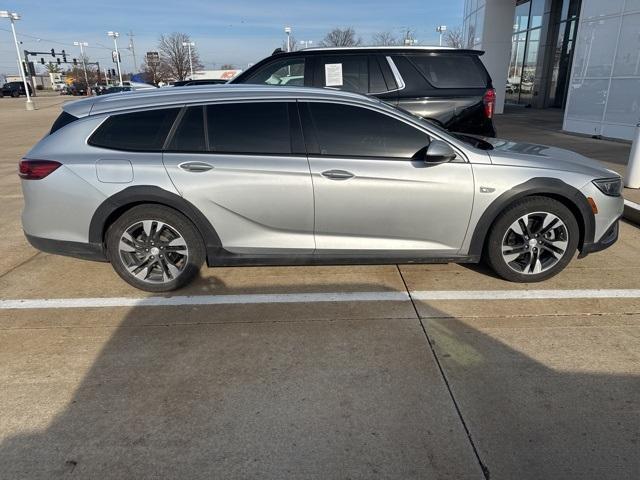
(532, 240)
(155, 248)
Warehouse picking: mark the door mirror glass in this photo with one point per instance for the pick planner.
(439, 152)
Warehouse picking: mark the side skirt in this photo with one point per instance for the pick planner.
(223, 258)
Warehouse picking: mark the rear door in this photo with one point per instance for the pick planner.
(244, 166)
(372, 193)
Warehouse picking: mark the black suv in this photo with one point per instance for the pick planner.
(14, 89)
(448, 86)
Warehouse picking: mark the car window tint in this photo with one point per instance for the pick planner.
(346, 72)
(288, 71)
(344, 130)
(376, 80)
(189, 136)
(63, 119)
(451, 71)
(249, 128)
(138, 131)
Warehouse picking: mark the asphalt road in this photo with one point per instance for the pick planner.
(351, 372)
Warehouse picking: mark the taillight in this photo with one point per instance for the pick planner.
(489, 101)
(36, 169)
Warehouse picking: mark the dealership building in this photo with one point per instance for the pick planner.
(581, 56)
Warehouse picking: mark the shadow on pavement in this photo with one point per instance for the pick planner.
(325, 391)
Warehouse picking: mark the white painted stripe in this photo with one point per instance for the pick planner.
(314, 298)
(204, 300)
(522, 294)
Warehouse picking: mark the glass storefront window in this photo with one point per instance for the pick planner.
(521, 19)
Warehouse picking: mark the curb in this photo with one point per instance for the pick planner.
(632, 212)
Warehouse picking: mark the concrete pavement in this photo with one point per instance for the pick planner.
(408, 388)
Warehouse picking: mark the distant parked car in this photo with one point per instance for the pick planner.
(450, 87)
(14, 89)
(206, 81)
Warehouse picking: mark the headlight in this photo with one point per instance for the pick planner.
(609, 186)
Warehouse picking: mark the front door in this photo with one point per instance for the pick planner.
(373, 194)
(237, 163)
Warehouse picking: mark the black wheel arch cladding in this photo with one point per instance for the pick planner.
(117, 204)
(554, 188)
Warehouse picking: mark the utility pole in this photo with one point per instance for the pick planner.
(133, 51)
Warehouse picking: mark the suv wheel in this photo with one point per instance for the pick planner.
(155, 248)
(532, 240)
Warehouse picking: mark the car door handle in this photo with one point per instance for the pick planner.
(195, 166)
(337, 174)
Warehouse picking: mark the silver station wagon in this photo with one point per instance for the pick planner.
(159, 182)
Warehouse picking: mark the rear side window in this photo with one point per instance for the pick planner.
(138, 131)
(450, 71)
(346, 72)
(344, 130)
(249, 128)
(63, 119)
(189, 136)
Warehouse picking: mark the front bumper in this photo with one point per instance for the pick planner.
(609, 238)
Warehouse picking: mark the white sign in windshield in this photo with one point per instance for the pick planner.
(333, 74)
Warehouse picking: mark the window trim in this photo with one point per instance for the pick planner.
(396, 75)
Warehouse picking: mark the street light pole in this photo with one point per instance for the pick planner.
(189, 45)
(84, 65)
(115, 36)
(287, 30)
(13, 16)
(441, 29)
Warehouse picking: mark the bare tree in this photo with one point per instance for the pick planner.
(155, 72)
(385, 39)
(454, 37)
(408, 37)
(341, 37)
(175, 56)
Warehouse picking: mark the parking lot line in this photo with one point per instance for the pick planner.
(380, 296)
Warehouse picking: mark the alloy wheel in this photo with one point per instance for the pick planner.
(153, 251)
(535, 243)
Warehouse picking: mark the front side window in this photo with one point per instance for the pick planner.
(344, 130)
(138, 131)
(252, 128)
(288, 71)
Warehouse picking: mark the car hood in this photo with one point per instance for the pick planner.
(506, 152)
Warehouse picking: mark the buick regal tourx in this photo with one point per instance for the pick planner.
(450, 87)
(159, 182)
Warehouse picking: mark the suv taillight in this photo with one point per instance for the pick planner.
(36, 169)
(489, 101)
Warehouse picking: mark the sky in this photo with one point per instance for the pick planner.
(225, 32)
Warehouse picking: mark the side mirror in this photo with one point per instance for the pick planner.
(439, 152)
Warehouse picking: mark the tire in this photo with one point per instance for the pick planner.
(15, 94)
(155, 248)
(537, 250)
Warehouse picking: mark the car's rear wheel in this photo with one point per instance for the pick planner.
(155, 248)
(532, 240)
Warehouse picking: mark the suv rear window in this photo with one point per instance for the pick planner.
(137, 131)
(451, 71)
(63, 119)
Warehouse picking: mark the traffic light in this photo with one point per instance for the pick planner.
(113, 72)
(42, 60)
(58, 61)
(53, 52)
(75, 61)
(64, 56)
